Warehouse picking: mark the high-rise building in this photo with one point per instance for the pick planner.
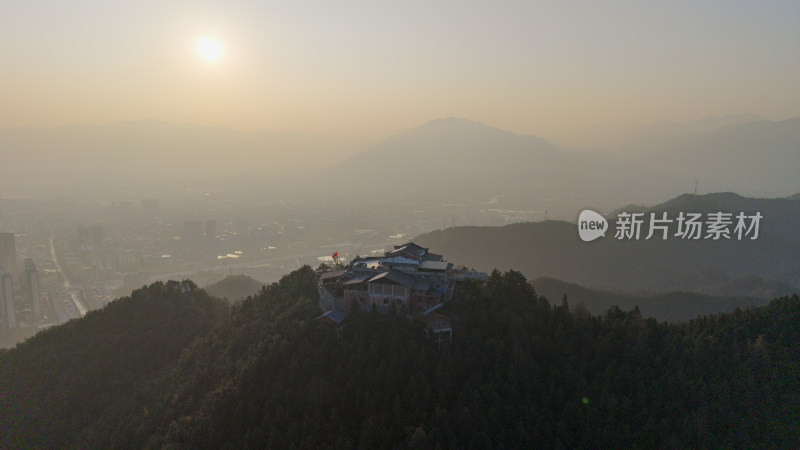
(31, 288)
(192, 229)
(150, 205)
(7, 300)
(8, 253)
(89, 238)
(211, 228)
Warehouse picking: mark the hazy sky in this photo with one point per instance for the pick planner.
(552, 69)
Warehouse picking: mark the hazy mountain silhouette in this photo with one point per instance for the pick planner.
(452, 160)
(460, 160)
(153, 155)
(553, 249)
(702, 125)
(627, 140)
(671, 306)
(756, 158)
(455, 151)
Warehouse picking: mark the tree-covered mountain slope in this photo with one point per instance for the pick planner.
(520, 372)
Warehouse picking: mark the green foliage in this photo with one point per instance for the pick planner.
(77, 376)
(324, 267)
(519, 373)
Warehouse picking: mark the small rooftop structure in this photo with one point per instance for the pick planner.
(333, 274)
(439, 325)
(432, 257)
(332, 316)
(356, 280)
(393, 276)
(435, 265)
(410, 249)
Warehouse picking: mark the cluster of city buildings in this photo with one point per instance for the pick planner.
(25, 278)
(409, 277)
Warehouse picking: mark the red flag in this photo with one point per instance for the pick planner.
(335, 254)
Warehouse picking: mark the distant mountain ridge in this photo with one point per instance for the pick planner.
(759, 158)
(451, 159)
(671, 306)
(469, 148)
(553, 249)
(702, 125)
(151, 154)
(782, 209)
(460, 160)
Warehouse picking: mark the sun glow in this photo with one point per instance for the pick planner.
(209, 49)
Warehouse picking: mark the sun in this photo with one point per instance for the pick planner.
(209, 49)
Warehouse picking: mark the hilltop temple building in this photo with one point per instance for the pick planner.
(409, 276)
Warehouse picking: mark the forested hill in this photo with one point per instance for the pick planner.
(234, 287)
(520, 372)
(93, 372)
